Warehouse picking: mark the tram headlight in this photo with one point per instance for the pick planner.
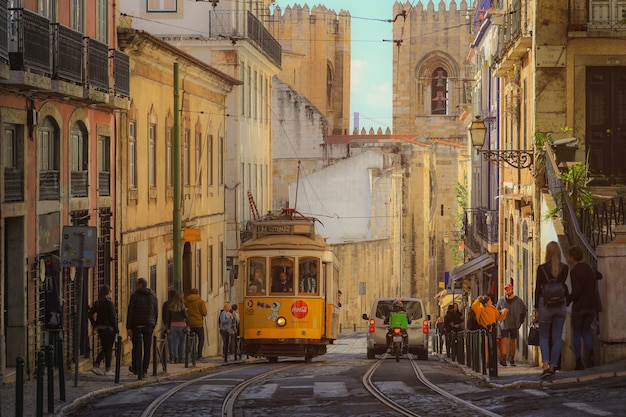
(281, 321)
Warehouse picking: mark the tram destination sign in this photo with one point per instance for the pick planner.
(283, 228)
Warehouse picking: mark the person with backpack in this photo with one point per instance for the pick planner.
(550, 310)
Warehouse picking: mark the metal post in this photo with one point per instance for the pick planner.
(19, 387)
(177, 219)
(41, 363)
(79, 319)
(154, 355)
(118, 358)
(50, 365)
(61, 366)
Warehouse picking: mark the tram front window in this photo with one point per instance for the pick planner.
(282, 275)
(309, 276)
(256, 284)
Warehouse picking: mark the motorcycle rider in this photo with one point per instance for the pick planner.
(398, 318)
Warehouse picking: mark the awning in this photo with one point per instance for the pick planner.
(484, 261)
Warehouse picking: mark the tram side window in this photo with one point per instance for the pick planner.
(309, 275)
(256, 270)
(282, 275)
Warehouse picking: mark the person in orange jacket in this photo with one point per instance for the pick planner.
(486, 312)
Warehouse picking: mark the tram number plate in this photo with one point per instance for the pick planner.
(397, 339)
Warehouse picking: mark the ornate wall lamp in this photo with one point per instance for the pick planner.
(514, 158)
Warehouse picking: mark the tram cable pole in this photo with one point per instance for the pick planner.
(177, 222)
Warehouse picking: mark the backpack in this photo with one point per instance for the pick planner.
(553, 291)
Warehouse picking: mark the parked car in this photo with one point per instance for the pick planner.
(417, 330)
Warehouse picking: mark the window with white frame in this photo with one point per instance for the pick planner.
(102, 21)
(132, 155)
(77, 15)
(152, 155)
(161, 5)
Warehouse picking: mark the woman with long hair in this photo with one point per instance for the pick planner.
(549, 310)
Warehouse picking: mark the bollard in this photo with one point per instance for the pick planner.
(187, 348)
(154, 355)
(355, 327)
(118, 358)
(492, 349)
(41, 363)
(19, 387)
(460, 354)
(59, 351)
(340, 327)
(139, 364)
(166, 353)
(49, 351)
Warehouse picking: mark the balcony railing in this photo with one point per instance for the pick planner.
(80, 183)
(590, 15)
(484, 223)
(97, 64)
(49, 185)
(121, 74)
(104, 183)
(67, 53)
(29, 45)
(263, 39)
(598, 221)
(4, 34)
(563, 201)
(13, 185)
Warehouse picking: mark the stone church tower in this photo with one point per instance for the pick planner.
(316, 59)
(431, 89)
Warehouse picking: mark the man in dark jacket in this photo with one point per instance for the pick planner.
(585, 308)
(143, 312)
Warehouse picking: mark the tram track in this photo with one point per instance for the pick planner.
(370, 386)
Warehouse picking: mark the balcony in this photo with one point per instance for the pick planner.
(597, 18)
(514, 36)
(80, 183)
(13, 185)
(483, 225)
(104, 183)
(49, 185)
(263, 39)
(63, 62)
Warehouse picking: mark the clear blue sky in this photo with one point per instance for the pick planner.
(371, 69)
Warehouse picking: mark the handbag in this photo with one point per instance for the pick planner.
(533, 335)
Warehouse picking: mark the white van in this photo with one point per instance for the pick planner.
(417, 330)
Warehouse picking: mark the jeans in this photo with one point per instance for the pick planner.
(107, 338)
(200, 332)
(551, 322)
(146, 331)
(226, 339)
(581, 324)
(178, 342)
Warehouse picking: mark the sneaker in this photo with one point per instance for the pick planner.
(503, 362)
(109, 372)
(547, 373)
(512, 362)
(97, 371)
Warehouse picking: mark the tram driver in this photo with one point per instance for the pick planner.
(284, 284)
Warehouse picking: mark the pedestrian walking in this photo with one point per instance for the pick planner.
(440, 333)
(509, 327)
(584, 308)
(143, 312)
(177, 328)
(550, 294)
(234, 345)
(196, 312)
(103, 318)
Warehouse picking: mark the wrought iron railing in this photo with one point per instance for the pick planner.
(49, 185)
(13, 185)
(590, 15)
(97, 64)
(67, 53)
(80, 183)
(598, 221)
(263, 39)
(104, 183)
(30, 49)
(121, 74)
(564, 203)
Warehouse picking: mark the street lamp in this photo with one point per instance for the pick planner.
(514, 158)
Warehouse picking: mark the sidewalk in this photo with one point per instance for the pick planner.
(91, 385)
(526, 376)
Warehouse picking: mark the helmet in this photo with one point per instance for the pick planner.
(397, 305)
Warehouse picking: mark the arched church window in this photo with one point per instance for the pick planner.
(439, 88)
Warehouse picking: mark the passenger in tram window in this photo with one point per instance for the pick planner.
(308, 280)
(283, 284)
(257, 282)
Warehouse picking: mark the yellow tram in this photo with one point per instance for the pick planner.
(292, 297)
